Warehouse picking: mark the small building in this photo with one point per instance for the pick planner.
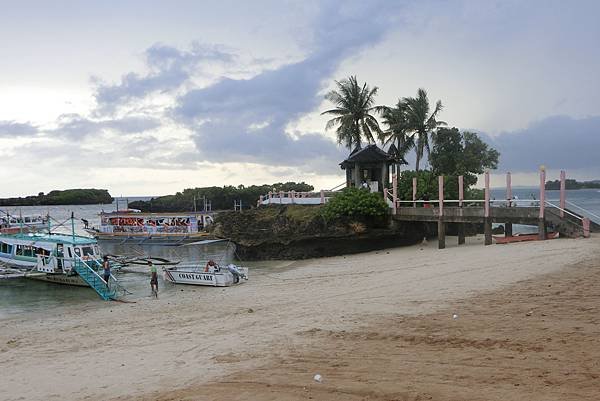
(369, 166)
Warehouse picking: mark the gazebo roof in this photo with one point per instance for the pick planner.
(393, 151)
(368, 154)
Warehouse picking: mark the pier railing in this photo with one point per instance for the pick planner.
(506, 210)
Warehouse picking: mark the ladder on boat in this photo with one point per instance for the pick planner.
(107, 291)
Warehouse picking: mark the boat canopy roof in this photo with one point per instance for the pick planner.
(154, 215)
(45, 237)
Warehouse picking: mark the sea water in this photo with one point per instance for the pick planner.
(25, 295)
(587, 202)
(19, 296)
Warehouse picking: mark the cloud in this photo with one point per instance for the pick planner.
(558, 142)
(246, 119)
(169, 69)
(11, 129)
(77, 126)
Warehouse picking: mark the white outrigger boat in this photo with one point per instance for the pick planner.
(152, 228)
(216, 276)
(58, 258)
(11, 224)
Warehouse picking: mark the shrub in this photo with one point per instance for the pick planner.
(356, 203)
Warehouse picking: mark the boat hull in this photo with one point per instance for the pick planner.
(155, 239)
(222, 278)
(523, 238)
(58, 279)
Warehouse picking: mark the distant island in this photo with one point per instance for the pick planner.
(220, 198)
(66, 197)
(573, 184)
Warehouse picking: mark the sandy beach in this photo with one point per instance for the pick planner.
(516, 322)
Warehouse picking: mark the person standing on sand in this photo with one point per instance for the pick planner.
(106, 268)
(153, 279)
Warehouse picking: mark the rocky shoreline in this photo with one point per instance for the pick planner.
(300, 232)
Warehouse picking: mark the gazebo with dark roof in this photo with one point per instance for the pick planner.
(368, 165)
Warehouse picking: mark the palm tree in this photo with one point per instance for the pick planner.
(397, 132)
(421, 123)
(352, 113)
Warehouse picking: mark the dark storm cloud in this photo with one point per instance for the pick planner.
(169, 68)
(558, 142)
(12, 129)
(246, 119)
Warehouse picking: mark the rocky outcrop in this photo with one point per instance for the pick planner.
(299, 232)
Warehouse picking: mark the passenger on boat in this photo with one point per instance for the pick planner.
(211, 266)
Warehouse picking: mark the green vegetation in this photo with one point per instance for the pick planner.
(221, 198)
(66, 197)
(412, 125)
(355, 203)
(573, 184)
(354, 105)
(453, 154)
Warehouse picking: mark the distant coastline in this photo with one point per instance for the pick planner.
(66, 197)
(573, 184)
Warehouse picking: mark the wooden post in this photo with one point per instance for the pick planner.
(293, 193)
(486, 202)
(441, 194)
(461, 198)
(563, 193)
(414, 182)
(509, 189)
(322, 197)
(508, 226)
(586, 227)
(394, 192)
(487, 222)
(441, 233)
(461, 190)
(542, 191)
(542, 220)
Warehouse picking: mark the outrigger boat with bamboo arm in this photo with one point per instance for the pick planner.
(152, 228)
(59, 258)
(11, 223)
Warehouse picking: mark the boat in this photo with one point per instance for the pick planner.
(152, 228)
(12, 224)
(523, 237)
(216, 276)
(57, 258)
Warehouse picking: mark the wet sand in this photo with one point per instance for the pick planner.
(376, 326)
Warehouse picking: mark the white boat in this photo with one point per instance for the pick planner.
(59, 258)
(13, 224)
(214, 277)
(152, 228)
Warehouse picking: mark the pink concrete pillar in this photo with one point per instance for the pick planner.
(509, 189)
(322, 197)
(270, 197)
(441, 194)
(586, 227)
(486, 203)
(542, 191)
(293, 195)
(461, 190)
(414, 182)
(394, 192)
(563, 193)
(280, 197)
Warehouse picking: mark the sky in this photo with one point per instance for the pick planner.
(149, 98)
